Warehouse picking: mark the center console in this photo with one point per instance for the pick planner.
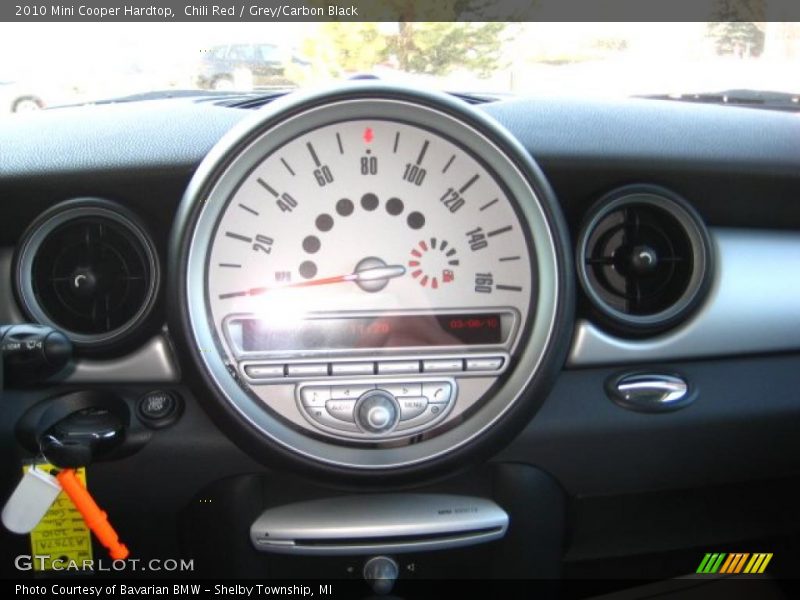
(499, 521)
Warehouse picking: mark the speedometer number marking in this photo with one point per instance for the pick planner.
(263, 244)
(369, 164)
(322, 174)
(414, 174)
(452, 200)
(286, 203)
(476, 239)
(483, 283)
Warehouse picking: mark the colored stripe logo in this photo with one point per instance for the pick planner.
(734, 563)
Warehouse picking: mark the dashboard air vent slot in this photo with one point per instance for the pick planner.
(643, 259)
(89, 269)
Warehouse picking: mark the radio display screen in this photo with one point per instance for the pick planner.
(384, 331)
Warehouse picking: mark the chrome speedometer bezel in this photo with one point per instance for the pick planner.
(543, 346)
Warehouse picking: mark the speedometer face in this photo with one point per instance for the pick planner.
(371, 279)
(369, 234)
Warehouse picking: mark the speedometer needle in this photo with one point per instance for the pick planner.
(369, 274)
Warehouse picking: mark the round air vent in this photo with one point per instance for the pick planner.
(88, 267)
(643, 259)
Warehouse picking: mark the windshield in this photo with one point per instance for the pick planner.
(47, 64)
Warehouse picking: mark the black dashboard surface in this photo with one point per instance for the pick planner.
(174, 134)
(738, 167)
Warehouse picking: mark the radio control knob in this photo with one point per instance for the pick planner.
(377, 411)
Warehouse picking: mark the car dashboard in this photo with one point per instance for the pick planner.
(587, 320)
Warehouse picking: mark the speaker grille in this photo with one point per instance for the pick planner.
(643, 258)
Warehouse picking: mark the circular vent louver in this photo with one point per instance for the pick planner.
(89, 268)
(643, 258)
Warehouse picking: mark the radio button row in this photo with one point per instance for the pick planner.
(492, 363)
(437, 391)
(412, 407)
(264, 371)
(442, 365)
(353, 368)
(316, 395)
(432, 412)
(267, 371)
(341, 409)
(377, 409)
(321, 415)
(348, 392)
(307, 369)
(394, 367)
(401, 390)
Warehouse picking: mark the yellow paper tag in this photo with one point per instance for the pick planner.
(62, 535)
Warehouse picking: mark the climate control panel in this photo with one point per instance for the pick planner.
(368, 409)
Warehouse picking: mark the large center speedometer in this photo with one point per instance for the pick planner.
(376, 218)
(370, 278)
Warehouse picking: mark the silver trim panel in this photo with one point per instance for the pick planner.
(378, 523)
(152, 363)
(753, 306)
